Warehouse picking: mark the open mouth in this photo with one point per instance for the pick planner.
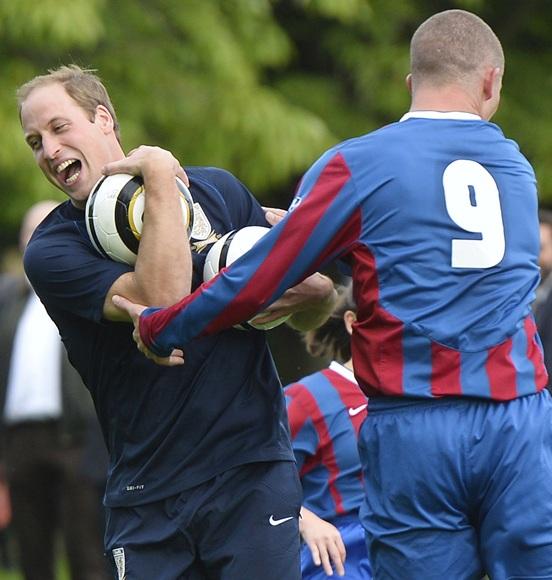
(68, 172)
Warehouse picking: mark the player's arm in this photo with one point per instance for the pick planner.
(310, 302)
(324, 224)
(163, 270)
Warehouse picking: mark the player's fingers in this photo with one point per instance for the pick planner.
(268, 315)
(325, 559)
(122, 166)
(176, 358)
(126, 305)
(132, 309)
(273, 215)
(337, 557)
(174, 361)
(341, 548)
(141, 346)
(168, 361)
(315, 553)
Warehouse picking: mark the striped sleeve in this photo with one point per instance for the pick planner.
(322, 224)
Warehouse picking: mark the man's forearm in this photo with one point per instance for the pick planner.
(163, 270)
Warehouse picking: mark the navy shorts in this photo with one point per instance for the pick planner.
(458, 487)
(242, 524)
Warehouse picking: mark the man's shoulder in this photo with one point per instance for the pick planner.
(57, 222)
(206, 176)
(362, 144)
(211, 186)
(207, 171)
(61, 222)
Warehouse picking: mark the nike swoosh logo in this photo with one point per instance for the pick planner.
(274, 522)
(356, 410)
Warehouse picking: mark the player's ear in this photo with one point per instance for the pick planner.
(349, 318)
(408, 81)
(492, 82)
(104, 119)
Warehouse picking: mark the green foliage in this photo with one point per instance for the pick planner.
(260, 87)
(63, 23)
(345, 11)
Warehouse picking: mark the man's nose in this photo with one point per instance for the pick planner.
(51, 147)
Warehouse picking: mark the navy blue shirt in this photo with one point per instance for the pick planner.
(167, 429)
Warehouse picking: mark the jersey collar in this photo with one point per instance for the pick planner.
(452, 115)
(343, 371)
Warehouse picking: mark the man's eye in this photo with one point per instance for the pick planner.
(34, 144)
(60, 127)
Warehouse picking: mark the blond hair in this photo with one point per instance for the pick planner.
(331, 340)
(82, 85)
(451, 47)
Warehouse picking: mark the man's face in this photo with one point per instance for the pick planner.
(68, 146)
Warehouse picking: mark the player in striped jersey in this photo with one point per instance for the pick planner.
(325, 412)
(436, 215)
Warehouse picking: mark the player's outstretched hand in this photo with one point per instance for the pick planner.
(324, 542)
(134, 311)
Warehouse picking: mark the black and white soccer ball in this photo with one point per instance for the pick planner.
(228, 249)
(115, 212)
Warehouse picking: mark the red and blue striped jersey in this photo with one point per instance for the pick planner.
(325, 412)
(436, 216)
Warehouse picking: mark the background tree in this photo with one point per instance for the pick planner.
(257, 86)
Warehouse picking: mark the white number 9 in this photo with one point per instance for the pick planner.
(473, 203)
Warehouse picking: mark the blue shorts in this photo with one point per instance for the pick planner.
(357, 566)
(458, 487)
(242, 524)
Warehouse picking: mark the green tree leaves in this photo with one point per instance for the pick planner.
(259, 87)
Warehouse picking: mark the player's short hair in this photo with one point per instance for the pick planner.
(82, 85)
(450, 46)
(331, 340)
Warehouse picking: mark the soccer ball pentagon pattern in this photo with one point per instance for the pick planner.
(228, 249)
(115, 211)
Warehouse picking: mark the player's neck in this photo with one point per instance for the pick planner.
(445, 100)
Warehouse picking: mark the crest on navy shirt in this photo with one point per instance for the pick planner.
(203, 234)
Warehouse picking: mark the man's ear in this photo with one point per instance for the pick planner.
(104, 119)
(492, 82)
(349, 318)
(408, 81)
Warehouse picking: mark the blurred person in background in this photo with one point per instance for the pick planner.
(326, 410)
(54, 461)
(543, 302)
